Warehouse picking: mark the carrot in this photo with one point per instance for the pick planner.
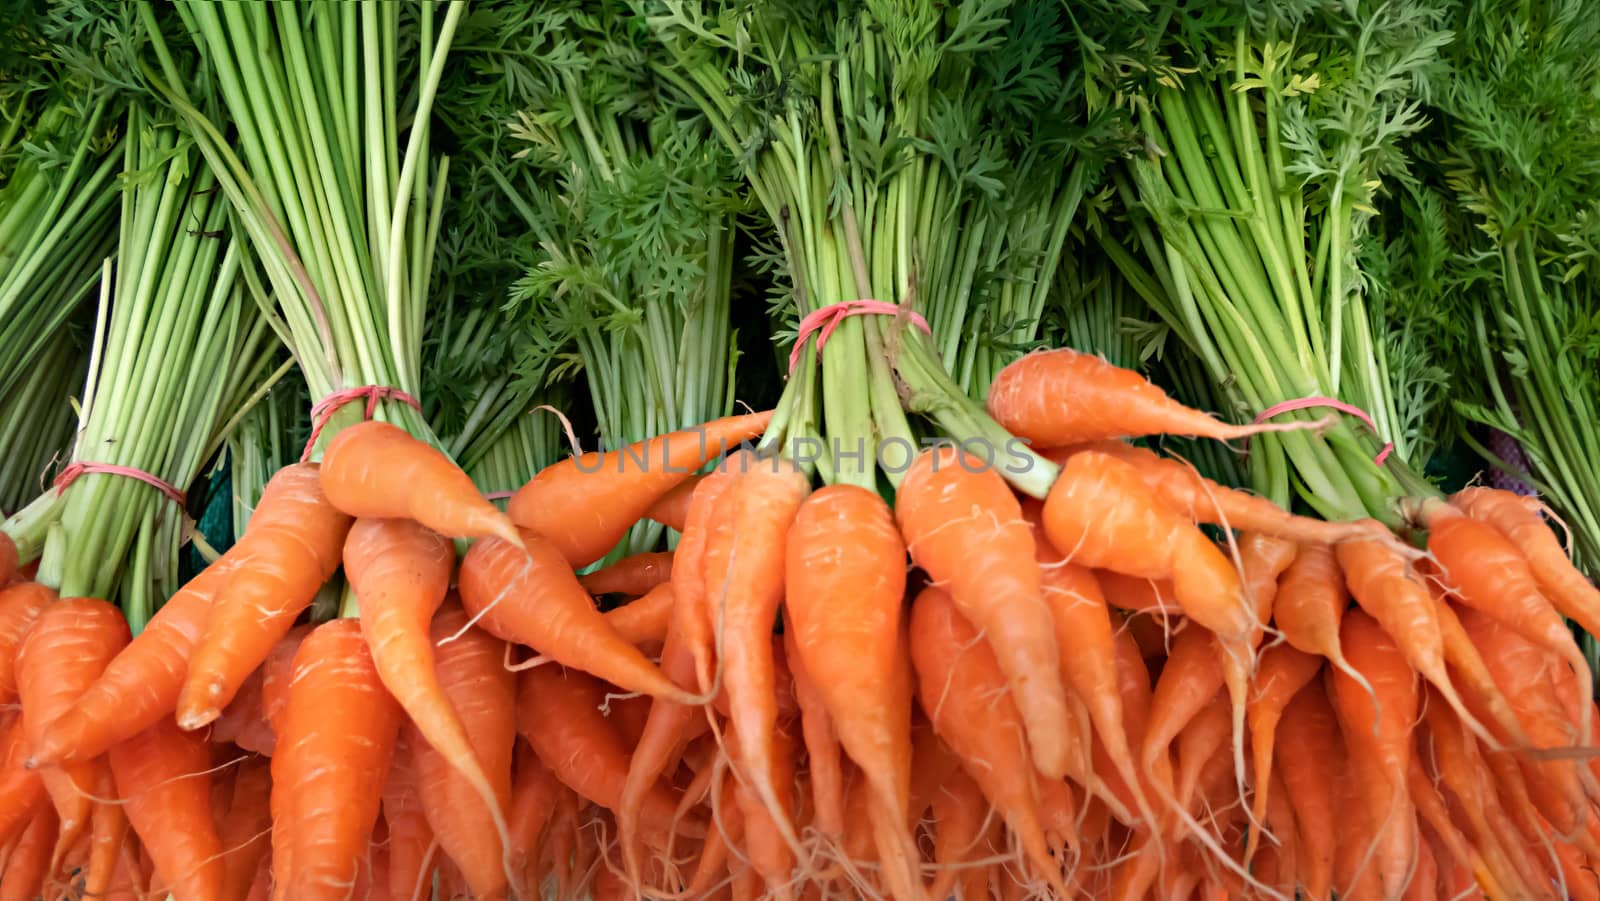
(28, 864)
(1089, 657)
(241, 722)
(1401, 604)
(1190, 678)
(961, 686)
(1309, 605)
(533, 798)
(667, 731)
(769, 850)
(1100, 514)
(584, 505)
(401, 571)
(632, 576)
(162, 775)
(375, 470)
(726, 831)
(283, 561)
(845, 574)
(411, 840)
(330, 779)
(1283, 671)
(1482, 695)
(1263, 560)
(743, 592)
(68, 647)
(672, 510)
(558, 712)
(644, 619)
(277, 673)
(108, 833)
(141, 685)
(1180, 485)
(959, 818)
(706, 535)
(1518, 519)
(822, 746)
(965, 528)
(20, 788)
(245, 829)
(531, 597)
(1377, 729)
(19, 607)
(1435, 817)
(1485, 571)
(1309, 732)
(468, 814)
(1197, 746)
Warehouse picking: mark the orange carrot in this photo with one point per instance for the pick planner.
(1485, 571)
(631, 576)
(959, 812)
(961, 686)
(1518, 519)
(964, 527)
(375, 470)
(706, 535)
(1377, 575)
(1197, 746)
(1100, 514)
(769, 851)
(410, 837)
(584, 505)
(644, 619)
(400, 571)
(1283, 671)
(245, 829)
(1062, 397)
(667, 731)
(28, 864)
(558, 712)
(141, 685)
(162, 775)
(743, 593)
(1377, 732)
(1180, 485)
(531, 597)
(468, 816)
(20, 788)
(1310, 603)
(1263, 560)
(68, 647)
(846, 574)
(1435, 817)
(283, 562)
(1137, 595)
(1309, 731)
(822, 746)
(108, 833)
(672, 510)
(1190, 678)
(19, 606)
(533, 798)
(1482, 695)
(330, 779)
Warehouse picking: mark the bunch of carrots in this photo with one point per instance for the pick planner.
(1143, 685)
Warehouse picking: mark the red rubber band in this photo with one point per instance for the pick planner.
(827, 318)
(323, 410)
(1305, 403)
(84, 467)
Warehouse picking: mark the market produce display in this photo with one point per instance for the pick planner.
(684, 449)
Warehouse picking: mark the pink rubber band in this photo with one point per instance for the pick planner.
(83, 468)
(499, 495)
(1306, 403)
(323, 410)
(826, 319)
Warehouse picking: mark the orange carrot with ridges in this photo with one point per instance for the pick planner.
(20, 788)
(376, 470)
(108, 833)
(410, 837)
(644, 619)
(533, 798)
(19, 606)
(633, 575)
(1519, 520)
(822, 746)
(1282, 672)
(672, 510)
(531, 597)
(330, 780)
(467, 818)
(845, 575)
(584, 505)
(1062, 397)
(960, 685)
(162, 775)
(28, 864)
(964, 527)
(283, 562)
(243, 831)
(705, 537)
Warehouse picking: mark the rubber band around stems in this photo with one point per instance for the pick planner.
(1306, 403)
(323, 410)
(825, 319)
(82, 468)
